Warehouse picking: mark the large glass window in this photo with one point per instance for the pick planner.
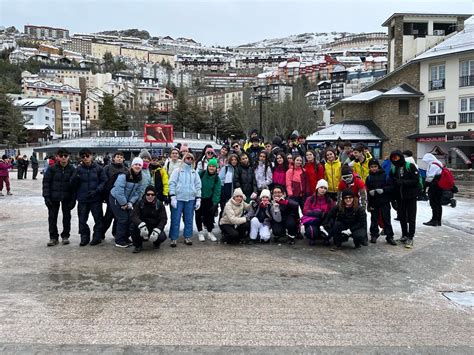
(466, 112)
(466, 73)
(436, 115)
(437, 76)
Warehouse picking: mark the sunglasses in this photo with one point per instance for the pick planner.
(150, 194)
(85, 155)
(235, 146)
(189, 158)
(348, 197)
(63, 155)
(209, 153)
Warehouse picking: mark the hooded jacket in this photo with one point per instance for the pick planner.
(159, 179)
(88, 179)
(375, 181)
(244, 178)
(153, 214)
(332, 174)
(210, 186)
(296, 182)
(434, 171)
(314, 172)
(405, 181)
(128, 188)
(4, 167)
(57, 183)
(185, 183)
(263, 176)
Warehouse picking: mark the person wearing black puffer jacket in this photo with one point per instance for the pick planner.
(244, 177)
(148, 220)
(88, 181)
(348, 219)
(380, 191)
(58, 192)
(405, 178)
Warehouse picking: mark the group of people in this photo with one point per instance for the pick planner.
(255, 193)
(21, 163)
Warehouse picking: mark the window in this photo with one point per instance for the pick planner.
(437, 76)
(403, 107)
(466, 73)
(466, 112)
(436, 115)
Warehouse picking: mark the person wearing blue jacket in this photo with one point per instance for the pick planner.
(88, 182)
(185, 194)
(127, 190)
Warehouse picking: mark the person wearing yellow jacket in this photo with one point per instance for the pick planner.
(332, 172)
(159, 179)
(360, 165)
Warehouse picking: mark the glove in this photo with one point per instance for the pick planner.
(253, 203)
(124, 207)
(143, 231)
(248, 217)
(174, 202)
(155, 233)
(347, 231)
(324, 232)
(379, 191)
(91, 194)
(166, 200)
(71, 204)
(372, 192)
(129, 206)
(253, 196)
(48, 202)
(197, 205)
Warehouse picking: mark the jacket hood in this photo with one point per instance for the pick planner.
(374, 161)
(429, 158)
(399, 162)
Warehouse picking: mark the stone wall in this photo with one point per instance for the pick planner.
(396, 127)
(352, 112)
(409, 75)
(398, 41)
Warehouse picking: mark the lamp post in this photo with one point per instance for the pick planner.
(260, 97)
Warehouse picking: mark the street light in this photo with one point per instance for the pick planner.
(260, 97)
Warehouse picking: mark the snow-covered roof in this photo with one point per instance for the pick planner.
(323, 82)
(353, 131)
(293, 65)
(311, 93)
(367, 96)
(37, 127)
(460, 42)
(402, 90)
(31, 102)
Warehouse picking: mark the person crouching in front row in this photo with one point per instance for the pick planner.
(234, 222)
(149, 220)
(261, 220)
(285, 216)
(349, 219)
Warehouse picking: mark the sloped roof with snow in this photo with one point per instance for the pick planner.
(460, 42)
(367, 96)
(353, 130)
(31, 102)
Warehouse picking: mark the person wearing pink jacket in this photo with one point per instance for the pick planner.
(5, 165)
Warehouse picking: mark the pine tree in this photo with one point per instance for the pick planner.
(12, 130)
(109, 117)
(180, 114)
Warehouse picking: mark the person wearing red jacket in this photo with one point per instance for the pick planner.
(350, 180)
(5, 165)
(314, 170)
(279, 169)
(297, 182)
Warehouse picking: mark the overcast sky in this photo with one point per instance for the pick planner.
(219, 22)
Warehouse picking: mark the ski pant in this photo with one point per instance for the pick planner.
(234, 234)
(257, 228)
(382, 212)
(6, 180)
(358, 235)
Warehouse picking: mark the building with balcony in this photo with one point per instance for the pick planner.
(46, 32)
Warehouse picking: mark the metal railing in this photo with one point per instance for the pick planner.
(466, 117)
(467, 80)
(437, 84)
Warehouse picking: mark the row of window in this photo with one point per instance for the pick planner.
(438, 75)
(436, 114)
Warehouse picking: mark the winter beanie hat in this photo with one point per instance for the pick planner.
(265, 193)
(346, 170)
(213, 162)
(322, 183)
(137, 160)
(145, 154)
(150, 188)
(347, 193)
(238, 192)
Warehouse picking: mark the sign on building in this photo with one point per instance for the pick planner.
(158, 133)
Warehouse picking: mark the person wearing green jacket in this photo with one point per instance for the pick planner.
(210, 197)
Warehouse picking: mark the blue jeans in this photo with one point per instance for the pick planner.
(185, 208)
(124, 222)
(83, 210)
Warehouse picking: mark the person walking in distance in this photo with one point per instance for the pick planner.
(5, 166)
(34, 165)
(58, 193)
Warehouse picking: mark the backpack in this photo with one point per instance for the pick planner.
(446, 180)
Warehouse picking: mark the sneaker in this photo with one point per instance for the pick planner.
(9, 194)
(173, 244)
(211, 237)
(1, 194)
(188, 241)
(122, 245)
(65, 241)
(52, 242)
(95, 241)
(391, 241)
(409, 244)
(84, 242)
(335, 248)
(201, 237)
(137, 250)
(453, 203)
(373, 239)
(403, 239)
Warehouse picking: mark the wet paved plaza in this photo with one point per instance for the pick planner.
(217, 298)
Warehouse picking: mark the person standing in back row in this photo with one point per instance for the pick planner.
(34, 165)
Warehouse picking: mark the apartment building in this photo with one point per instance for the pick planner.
(276, 92)
(359, 40)
(227, 80)
(202, 63)
(43, 88)
(46, 32)
(72, 76)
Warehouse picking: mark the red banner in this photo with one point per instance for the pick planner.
(158, 133)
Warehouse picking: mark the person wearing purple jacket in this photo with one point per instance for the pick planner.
(5, 165)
